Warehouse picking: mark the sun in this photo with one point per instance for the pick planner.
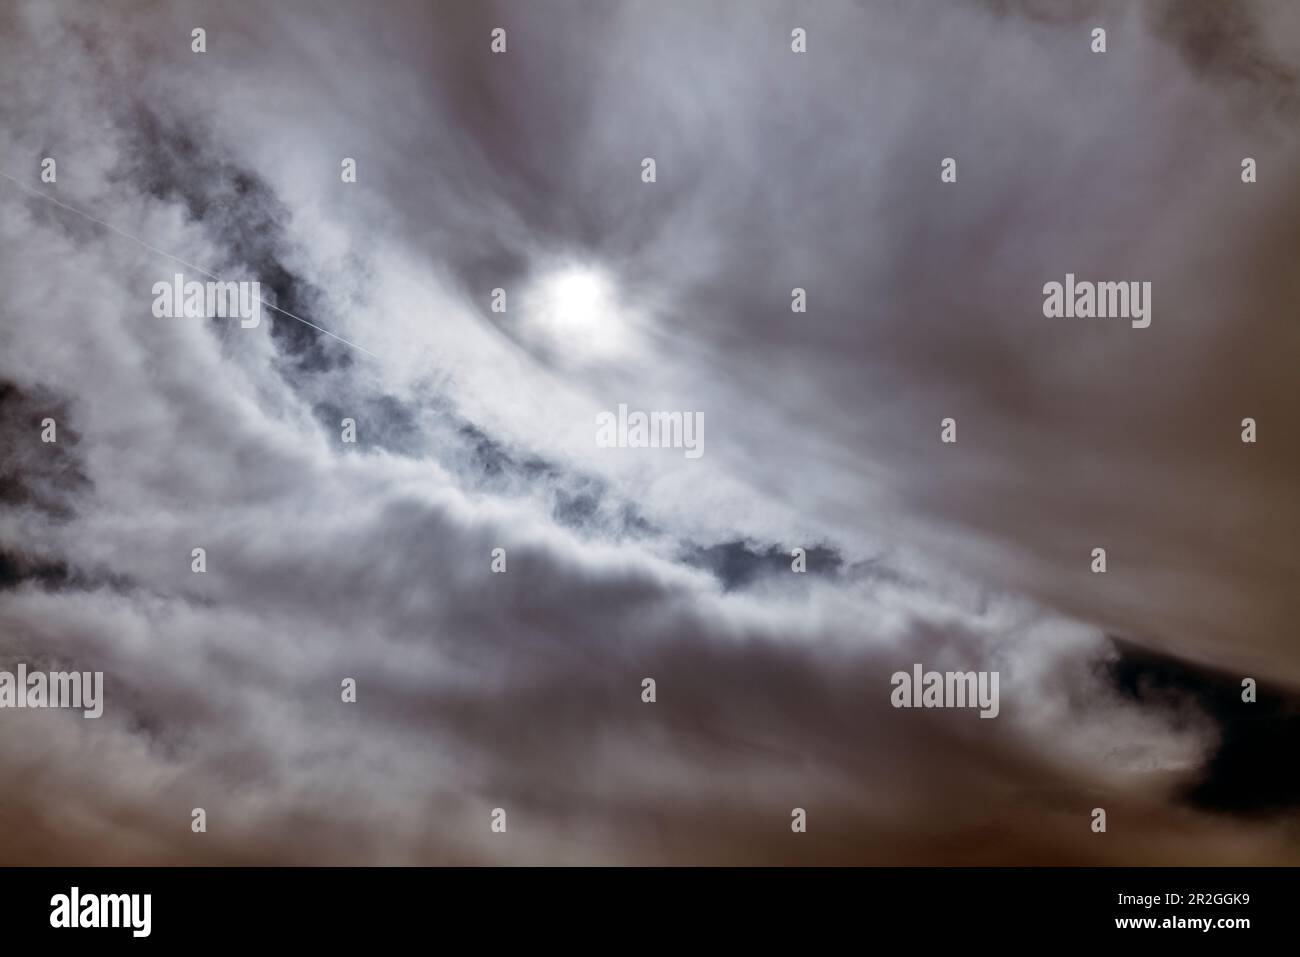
(580, 301)
(577, 314)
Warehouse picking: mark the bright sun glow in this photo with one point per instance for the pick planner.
(578, 314)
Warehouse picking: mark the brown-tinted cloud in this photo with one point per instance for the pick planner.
(522, 690)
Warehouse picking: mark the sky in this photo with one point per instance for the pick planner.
(522, 690)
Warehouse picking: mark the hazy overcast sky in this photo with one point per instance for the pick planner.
(476, 430)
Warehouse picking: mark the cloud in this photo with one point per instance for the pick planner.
(521, 690)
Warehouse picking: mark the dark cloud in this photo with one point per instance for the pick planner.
(739, 563)
(172, 163)
(16, 568)
(1243, 774)
(1227, 42)
(46, 476)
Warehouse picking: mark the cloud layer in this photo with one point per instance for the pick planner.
(522, 690)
